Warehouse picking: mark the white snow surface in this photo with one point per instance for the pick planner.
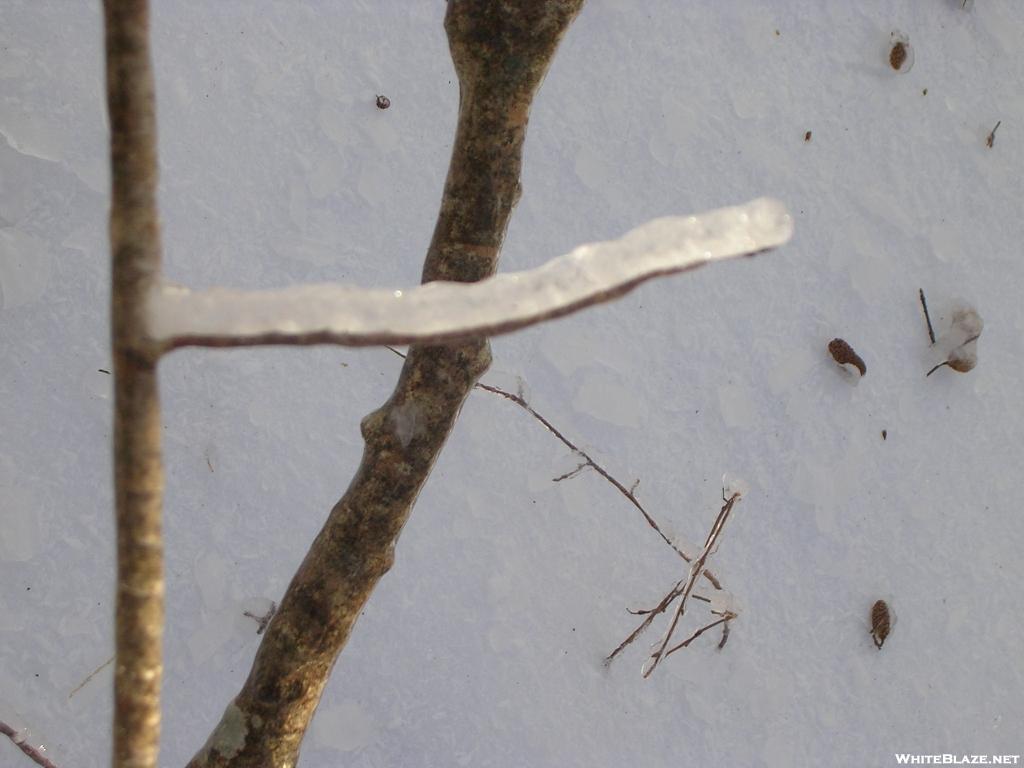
(483, 646)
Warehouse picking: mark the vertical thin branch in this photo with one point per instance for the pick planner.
(138, 475)
(501, 52)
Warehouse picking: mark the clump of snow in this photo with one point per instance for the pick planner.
(723, 602)
(229, 736)
(960, 342)
(405, 419)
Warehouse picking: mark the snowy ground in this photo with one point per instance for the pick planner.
(483, 645)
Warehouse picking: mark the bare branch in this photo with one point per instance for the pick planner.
(927, 317)
(90, 676)
(658, 608)
(684, 588)
(138, 475)
(725, 636)
(724, 620)
(691, 579)
(262, 622)
(501, 52)
(449, 311)
(34, 754)
(651, 615)
(589, 462)
(571, 473)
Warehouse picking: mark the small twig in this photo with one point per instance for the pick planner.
(645, 611)
(653, 612)
(34, 754)
(660, 608)
(263, 620)
(695, 570)
(725, 636)
(991, 140)
(927, 317)
(952, 361)
(724, 620)
(519, 400)
(91, 675)
(570, 474)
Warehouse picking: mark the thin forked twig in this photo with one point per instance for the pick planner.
(658, 609)
(695, 570)
(34, 754)
(680, 588)
(570, 474)
(651, 615)
(264, 620)
(729, 616)
(588, 461)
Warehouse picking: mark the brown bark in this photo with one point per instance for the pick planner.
(138, 477)
(501, 52)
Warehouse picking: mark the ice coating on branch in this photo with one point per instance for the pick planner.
(648, 666)
(723, 602)
(961, 340)
(734, 484)
(340, 314)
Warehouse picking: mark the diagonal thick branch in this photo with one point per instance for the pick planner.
(449, 311)
(501, 52)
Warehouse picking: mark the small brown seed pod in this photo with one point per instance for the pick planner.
(901, 54)
(383, 102)
(843, 354)
(881, 622)
(807, 136)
